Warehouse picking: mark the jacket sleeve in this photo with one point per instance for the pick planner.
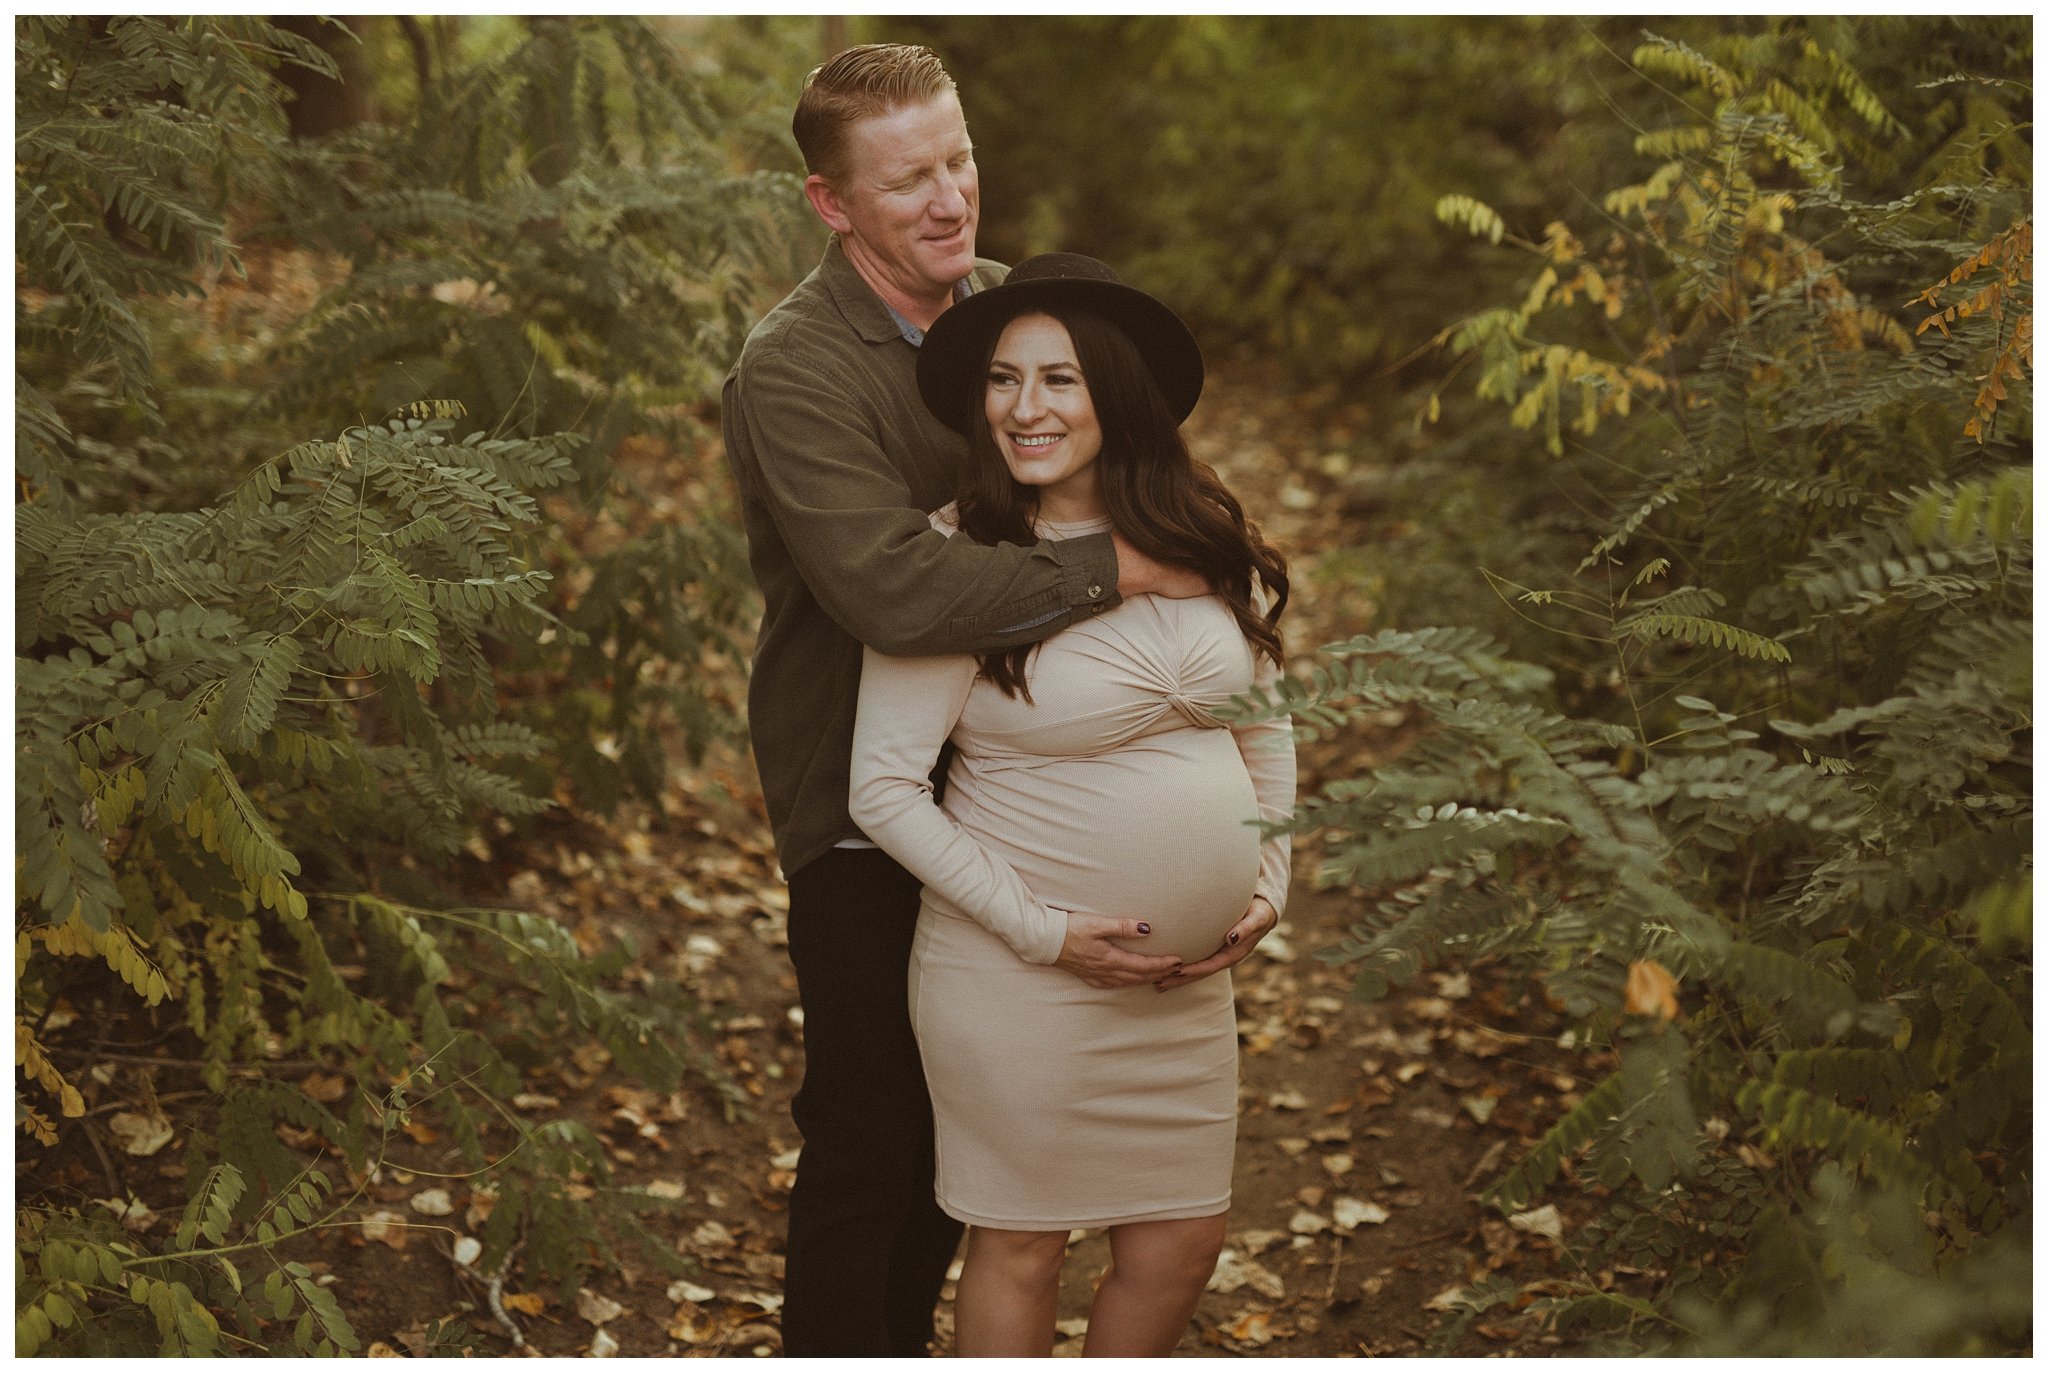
(1267, 747)
(907, 708)
(864, 547)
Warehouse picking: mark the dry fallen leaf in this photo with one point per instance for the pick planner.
(1480, 1108)
(603, 1345)
(380, 1350)
(468, 1251)
(1349, 1213)
(692, 1325)
(1446, 1300)
(1289, 1099)
(386, 1228)
(141, 1134)
(526, 1303)
(1234, 1272)
(1651, 990)
(1337, 1165)
(1254, 1328)
(711, 1235)
(134, 1214)
(1308, 1223)
(433, 1202)
(666, 1189)
(1544, 1221)
(683, 1290)
(323, 1087)
(596, 1307)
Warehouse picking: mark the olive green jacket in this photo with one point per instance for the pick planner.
(837, 463)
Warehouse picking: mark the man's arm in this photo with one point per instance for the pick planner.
(869, 553)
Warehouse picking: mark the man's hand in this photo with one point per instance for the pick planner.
(1259, 920)
(1137, 574)
(1089, 955)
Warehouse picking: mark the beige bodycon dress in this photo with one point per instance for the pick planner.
(1115, 792)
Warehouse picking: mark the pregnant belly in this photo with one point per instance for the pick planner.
(1157, 831)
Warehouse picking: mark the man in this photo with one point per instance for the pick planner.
(837, 463)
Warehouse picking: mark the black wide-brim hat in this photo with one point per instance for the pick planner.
(951, 362)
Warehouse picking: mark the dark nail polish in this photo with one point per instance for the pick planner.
(1144, 928)
(1233, 936)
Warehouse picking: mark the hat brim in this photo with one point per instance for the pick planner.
(956, 348)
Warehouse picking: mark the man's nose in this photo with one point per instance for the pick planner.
(949, 201)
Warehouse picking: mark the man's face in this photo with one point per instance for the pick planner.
(909, 200)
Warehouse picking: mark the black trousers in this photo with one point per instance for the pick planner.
(868, 1245)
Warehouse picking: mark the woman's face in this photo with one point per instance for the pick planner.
(1043, 420)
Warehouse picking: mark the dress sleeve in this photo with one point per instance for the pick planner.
(907, 708)
(1267, 747)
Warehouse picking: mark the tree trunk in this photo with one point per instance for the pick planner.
(320, 104)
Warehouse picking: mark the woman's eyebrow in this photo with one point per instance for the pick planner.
(1043, 366)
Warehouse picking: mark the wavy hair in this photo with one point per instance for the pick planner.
(1163, 502)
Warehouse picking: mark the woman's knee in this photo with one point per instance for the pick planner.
(1020, 1255)
(1169, 1251)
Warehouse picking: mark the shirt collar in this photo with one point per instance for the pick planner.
(913, 335)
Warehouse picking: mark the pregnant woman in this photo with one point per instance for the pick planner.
(1095, 868)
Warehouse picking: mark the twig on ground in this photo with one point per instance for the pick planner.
(494, 1294)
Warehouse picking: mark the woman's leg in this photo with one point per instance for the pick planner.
(1157, 1270)
(1008, 1294)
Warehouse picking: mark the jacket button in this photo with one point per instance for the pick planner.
(1095, 592)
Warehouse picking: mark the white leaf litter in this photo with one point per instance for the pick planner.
(433, 1202)
(596, 1307)
(1544, 1221)
(603, 1345)
(1308, 1223)
(1233, 1272)
(1446, 1300)
(140, 1135)
(681, 1291)
(468, 1250)
(1349, 1213)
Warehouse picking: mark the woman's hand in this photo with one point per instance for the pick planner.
(1088, 954)
(1259, 920)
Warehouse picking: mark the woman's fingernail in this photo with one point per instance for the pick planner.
(1233, 936)
(1144, 928)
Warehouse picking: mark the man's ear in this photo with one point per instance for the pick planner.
(825, 201)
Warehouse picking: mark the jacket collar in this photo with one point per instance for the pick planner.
(855, 299)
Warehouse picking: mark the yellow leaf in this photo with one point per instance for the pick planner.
(1650, 991)
(73, 1104)
(526, 1303)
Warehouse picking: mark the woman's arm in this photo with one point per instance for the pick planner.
(907, 708)
(1267, 747)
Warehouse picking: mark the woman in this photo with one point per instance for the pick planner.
(1097, 831)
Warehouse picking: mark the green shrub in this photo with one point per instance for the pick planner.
(257, 704)
(1774, 854)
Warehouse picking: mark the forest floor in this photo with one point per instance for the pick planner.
(1366, 1130)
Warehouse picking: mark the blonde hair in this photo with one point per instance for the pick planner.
(860, 83)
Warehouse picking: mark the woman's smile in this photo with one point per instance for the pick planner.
(1037, 401)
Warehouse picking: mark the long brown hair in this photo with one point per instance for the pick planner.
(1161, 500)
